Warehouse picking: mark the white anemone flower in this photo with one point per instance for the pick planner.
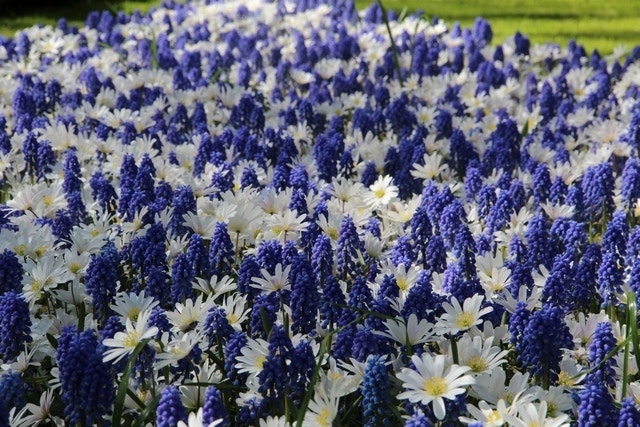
(459, 318)
(124, 343)
(409, 332)
(479, 354)
(276, 282)
(431, 383)
(323, 409)
(274, 422)
(176, 348)
(254, 354)
(32, 414)
(432, 166)
(488, 416)
(531, 414)
(130, 305)
(195, 420)
(380, 192)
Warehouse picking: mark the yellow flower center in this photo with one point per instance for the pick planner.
(508, 397)
(380, 193)
(260, 361)
(324, 418)
(565, 379)
(435, 386)
(402, 284)
(41, 250)
(133, 313)
(333, 233)
(20, 250)
(131, 340)
(36, 286)
(74, 267)
(232, 318)
(464, 320)
(493, 417)
(477, 364)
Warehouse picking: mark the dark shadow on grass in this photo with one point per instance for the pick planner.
(15, 15)
(71, 9)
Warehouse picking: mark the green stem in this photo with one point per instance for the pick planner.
(632, 325)
(454, 350)
(324, 347)
(118, 406)
(394, 48)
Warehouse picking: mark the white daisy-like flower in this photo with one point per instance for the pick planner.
(492, 387)
(235, 307)
(124, 343)
(274, 422)
(195, 420)
(32, 414)
(276, 282)
(176, 348)
(457, 318)
(495, 281)
(480, 355)
(409, 332)
(130, 305)
(431, 383)
(43, 276)
(380, 192)
(322, 410)
(191, 315)
(557, 398)
(254, 354)
(488, 416)
(531, 414)
(432, 166)
(286, 225)
(215, 286)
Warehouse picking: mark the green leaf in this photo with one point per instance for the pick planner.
(140, 421)
(124, 384)
(394, 48)
(632, 325)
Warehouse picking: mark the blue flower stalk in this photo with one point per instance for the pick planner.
(15, 325)
(170, 408)
(629, 414)
(87, 385)
(11, 272)
(13, 393)
(221, 255)
(596, 408)
(214, 409)
(602, 343)
(376, 394)
(350, 248)
(100, 282)
(274, 377)
(543, 338)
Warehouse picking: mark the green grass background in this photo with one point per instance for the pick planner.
(596, 24)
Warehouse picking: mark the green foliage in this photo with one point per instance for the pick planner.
(590, 22)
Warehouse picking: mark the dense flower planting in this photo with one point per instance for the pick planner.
(279, 213)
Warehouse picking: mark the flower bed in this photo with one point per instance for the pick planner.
(276, 214)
